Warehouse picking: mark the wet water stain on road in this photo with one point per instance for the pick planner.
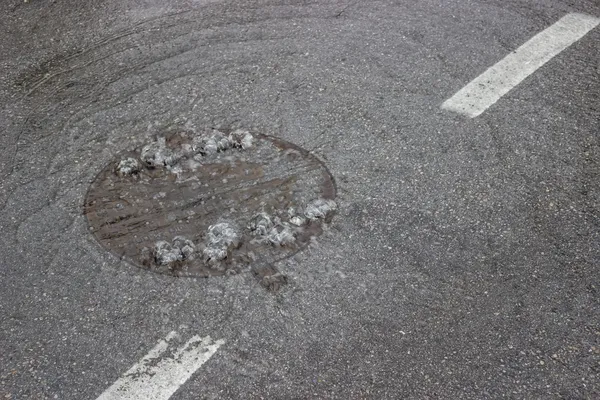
(210, 203)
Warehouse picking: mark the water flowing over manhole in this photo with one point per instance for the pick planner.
(210, 203)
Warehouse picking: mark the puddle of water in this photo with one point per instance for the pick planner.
(190, 205)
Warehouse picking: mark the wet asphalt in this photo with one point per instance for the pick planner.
(463, 261)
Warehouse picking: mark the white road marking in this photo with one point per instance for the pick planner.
(494, 83)
(156, 377)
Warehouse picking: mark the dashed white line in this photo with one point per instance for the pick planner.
(163, 370)
(494, 83)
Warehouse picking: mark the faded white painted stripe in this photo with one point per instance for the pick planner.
(163, 370)
(494, 83)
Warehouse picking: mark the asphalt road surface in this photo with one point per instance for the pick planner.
(464, 258)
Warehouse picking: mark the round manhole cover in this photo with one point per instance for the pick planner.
(209, 203)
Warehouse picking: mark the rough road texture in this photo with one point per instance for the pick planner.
(464, 258)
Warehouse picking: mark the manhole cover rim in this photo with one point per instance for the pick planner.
(277, 141)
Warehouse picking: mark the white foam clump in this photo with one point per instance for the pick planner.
(128, 166)
(217, 141)
(211, 144)
(271, 229)
(281, 235)
(165, 253)
(157, 154)
(295, 217)
(241, 139)
(186, 246)
(297, 220)
(319, 208)
(220, 239)
(180, 249)
(261, 224)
